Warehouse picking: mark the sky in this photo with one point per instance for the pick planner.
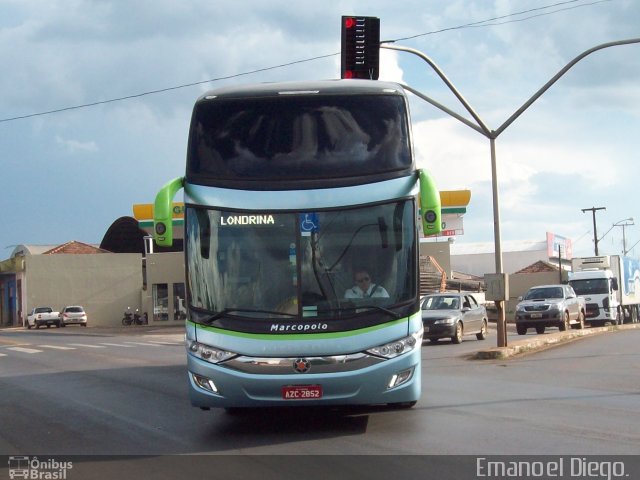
(135, 67)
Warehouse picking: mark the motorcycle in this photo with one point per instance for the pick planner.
(134, 318)
(127, 319)
(140, 319)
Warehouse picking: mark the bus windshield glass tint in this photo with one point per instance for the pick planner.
(295, 138)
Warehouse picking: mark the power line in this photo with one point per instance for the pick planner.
(481, 23)
(544, 14)
(167, 89)
(486, 23)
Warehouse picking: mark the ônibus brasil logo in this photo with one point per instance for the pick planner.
(36, 469)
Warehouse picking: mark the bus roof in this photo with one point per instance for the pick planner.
(329, 87)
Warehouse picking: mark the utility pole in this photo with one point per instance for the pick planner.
(595, 232)
(627, 223)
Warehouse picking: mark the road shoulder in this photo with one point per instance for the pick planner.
(532, 343)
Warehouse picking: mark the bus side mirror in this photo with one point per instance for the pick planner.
(614, 284)
(163, 212)
(430, 209)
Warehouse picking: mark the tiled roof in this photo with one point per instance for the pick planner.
(538, 267)
(466, 276)
(75, 247)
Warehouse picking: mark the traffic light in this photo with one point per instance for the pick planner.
(360, 54)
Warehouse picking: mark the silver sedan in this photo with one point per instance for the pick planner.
(453, 315)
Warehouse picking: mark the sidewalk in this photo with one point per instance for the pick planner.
(153, 328)
(531, 343)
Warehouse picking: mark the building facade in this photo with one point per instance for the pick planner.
(105, 284)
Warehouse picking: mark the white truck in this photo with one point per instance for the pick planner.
(611, 287)
(43, 316)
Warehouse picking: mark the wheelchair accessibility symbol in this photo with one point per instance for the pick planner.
(309, 223)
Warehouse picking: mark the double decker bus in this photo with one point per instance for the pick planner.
(290, 189)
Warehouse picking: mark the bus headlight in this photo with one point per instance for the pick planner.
(209, 353)
(398, 347)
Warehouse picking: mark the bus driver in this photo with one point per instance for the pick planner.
(363, 287)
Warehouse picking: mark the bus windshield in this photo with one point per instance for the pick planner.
(303, 264)
(287, 138)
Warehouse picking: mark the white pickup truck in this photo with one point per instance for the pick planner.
(43, 316)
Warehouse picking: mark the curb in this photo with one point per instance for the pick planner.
(540, 342)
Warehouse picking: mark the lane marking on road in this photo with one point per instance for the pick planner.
(24, 350)
(85, 345)
(3, 354)
(56, 347)
(160, 342)
(117, 345)
(4, 341)
(144, 344)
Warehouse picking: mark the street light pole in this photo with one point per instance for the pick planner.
(483, 129)
(595, 231)
(501, 324)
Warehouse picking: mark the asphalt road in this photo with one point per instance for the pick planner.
(80, 391)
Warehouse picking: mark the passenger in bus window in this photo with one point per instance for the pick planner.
(364, 287)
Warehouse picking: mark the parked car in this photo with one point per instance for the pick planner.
(42, 316)
(73, 315)
(453, 315)
(550, 306)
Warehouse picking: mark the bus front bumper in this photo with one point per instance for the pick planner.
(391, 381)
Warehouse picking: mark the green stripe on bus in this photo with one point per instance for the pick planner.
(299, 336)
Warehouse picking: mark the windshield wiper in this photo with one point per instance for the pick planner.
(358, 308)
(391, 313)
(228, 311)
